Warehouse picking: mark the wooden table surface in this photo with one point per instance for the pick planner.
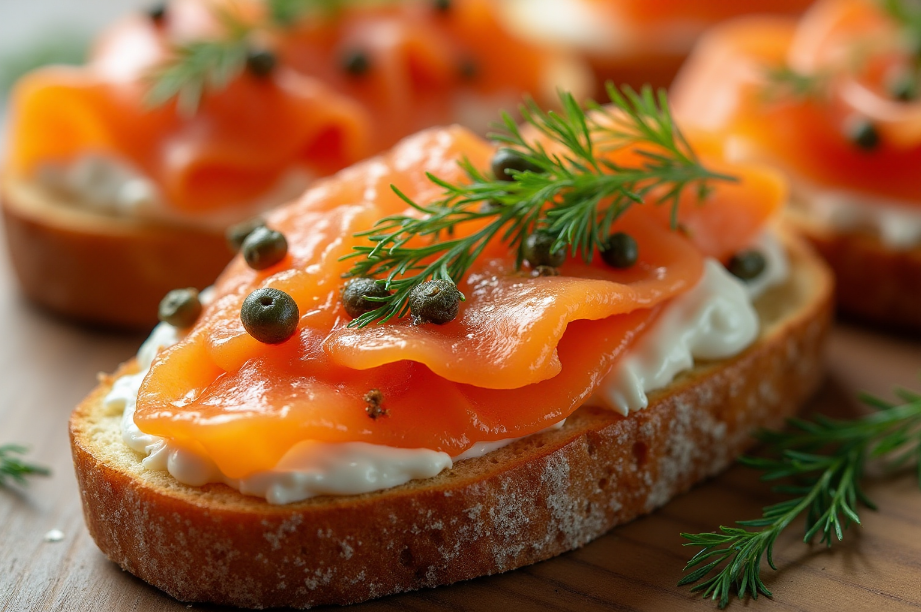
(46, 367)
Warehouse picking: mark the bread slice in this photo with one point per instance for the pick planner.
(873, 282)
(101, 269)
(531, 500)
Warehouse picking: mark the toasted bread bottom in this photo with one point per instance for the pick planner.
(101, 269)
(873, 282)
(531, 500)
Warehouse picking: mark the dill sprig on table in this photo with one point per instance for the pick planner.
(13, 468)
(574, 194)
(824, 461)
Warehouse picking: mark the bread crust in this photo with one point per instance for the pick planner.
(531, 500)
(101, 269)
(874, 283)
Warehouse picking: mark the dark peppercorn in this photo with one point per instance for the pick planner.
(468, 68)
(862, 133)
(269, 315)
(157, 13)
(236, 234)
(264, 248)
(442, 6)
(509, 159)
(620, 250)
(537, 250)
(746, 265)
(261, 62)
(434, 301)
(180, 308)
(355, 296)
(374, 404)
(356, 62)
(903, 86)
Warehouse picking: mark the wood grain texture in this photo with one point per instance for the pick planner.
(48, 366)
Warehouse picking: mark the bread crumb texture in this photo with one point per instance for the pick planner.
(531, 500)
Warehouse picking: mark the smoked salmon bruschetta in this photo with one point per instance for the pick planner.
(632, 41)
(122, 176)
(832, 101)
(472, 356)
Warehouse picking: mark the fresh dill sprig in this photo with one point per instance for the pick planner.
(906, 13)
(783, 82)
(575, 193)
(197, 66)
(13, 468)
(825, 461)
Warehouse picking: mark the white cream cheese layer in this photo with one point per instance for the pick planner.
(897, 223)
(113, 187)
(714, 320)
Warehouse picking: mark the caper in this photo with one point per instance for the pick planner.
(356, 292)
(545, 271)
(862, 133)
(236, 234)
(261, 62)
(537, 250)
(442, 6)
(903, 86)
(620, 250)
(180, 308)
(269, 315)
(356, 62)
(157, 12)
(747, 265)
(264, 248)
(509, 159)
(434, 301)
(468, 68)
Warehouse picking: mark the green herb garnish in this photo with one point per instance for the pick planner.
(13, 468)
(200, 65)
(784, 82)
(825, 461)
(574, 195)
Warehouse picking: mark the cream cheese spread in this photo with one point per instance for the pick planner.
(714, 320)
(113, 187)
(897, 223)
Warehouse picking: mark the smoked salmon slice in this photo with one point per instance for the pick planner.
(741, 83)
(417, 66)
(522, 354)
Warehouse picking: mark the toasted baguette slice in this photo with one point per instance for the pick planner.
(101, 269)
(531, 500)
(873, 282)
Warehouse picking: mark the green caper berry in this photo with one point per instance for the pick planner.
(180, 308)
(442, 6)
(434, 301)
(236, 234)
(620, 250)
(468, 69)
(509, 159)
(544, 271)
(261, 62)
(356, 62)
(355, 296)
(157, 13)
(747, 265)
(862, 133)
(903, 86)
(537, 250)
(264, 248)
(269, 315)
